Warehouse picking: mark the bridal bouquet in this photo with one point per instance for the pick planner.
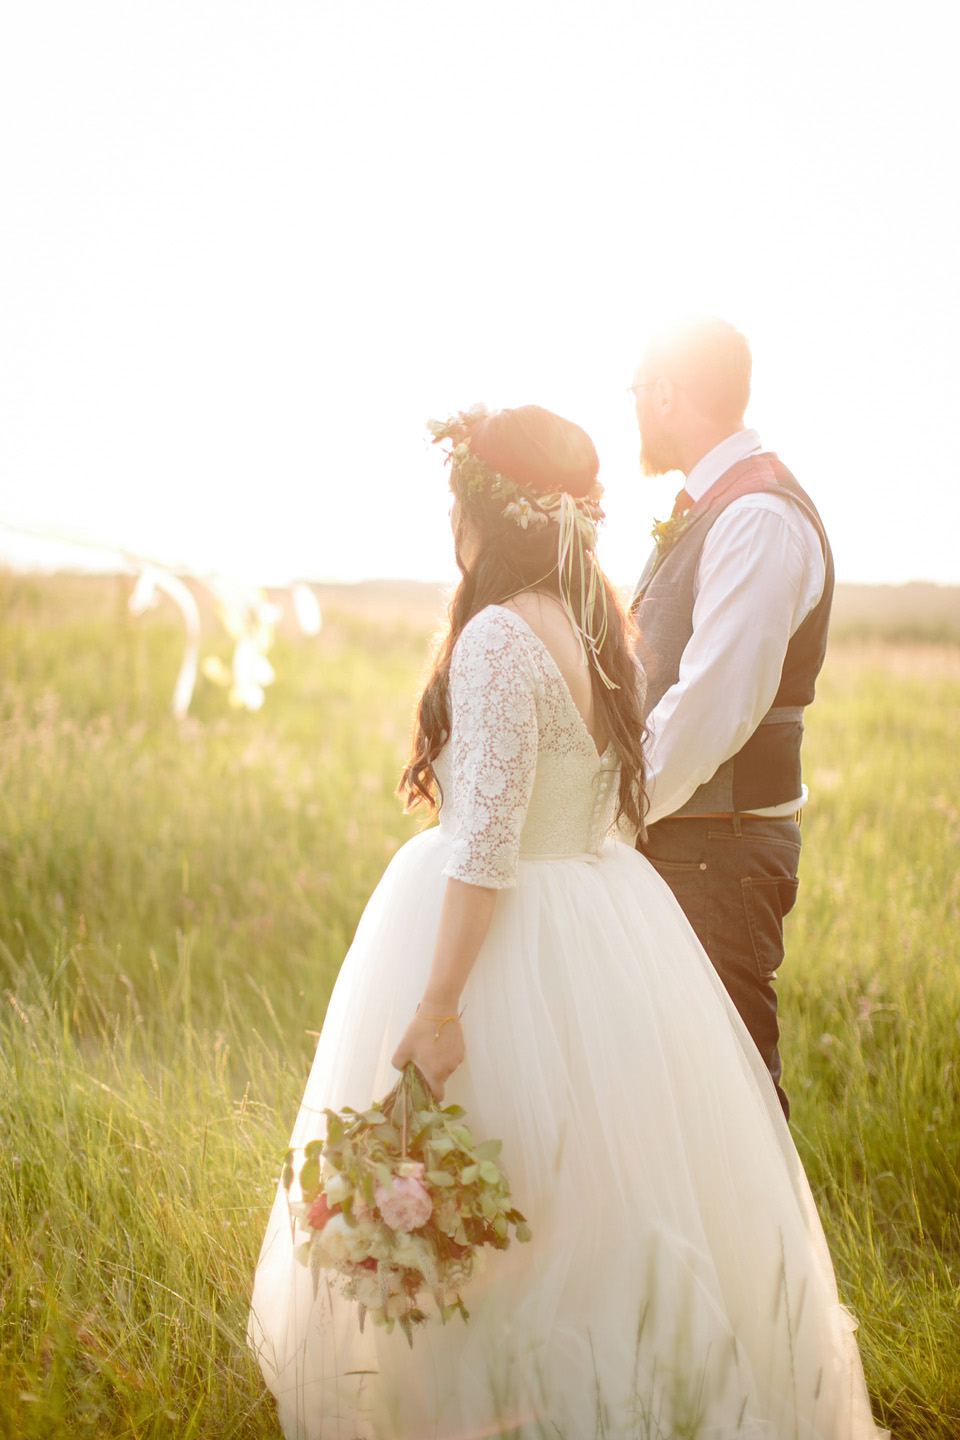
(398, 1200)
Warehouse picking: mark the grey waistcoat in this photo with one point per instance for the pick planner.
(766, 770)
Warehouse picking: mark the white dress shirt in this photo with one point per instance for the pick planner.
(760, 573)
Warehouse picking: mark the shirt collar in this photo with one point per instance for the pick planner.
(719, 460)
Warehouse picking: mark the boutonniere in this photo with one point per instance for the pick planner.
(666, 533)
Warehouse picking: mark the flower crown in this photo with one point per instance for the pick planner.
(576, 518)
(524, 506)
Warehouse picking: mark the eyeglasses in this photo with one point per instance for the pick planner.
(640, 385)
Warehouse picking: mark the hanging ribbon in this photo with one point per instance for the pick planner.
(575, 543)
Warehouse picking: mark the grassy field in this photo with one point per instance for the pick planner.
(174, 904)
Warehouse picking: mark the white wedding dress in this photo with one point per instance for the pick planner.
(678, 1282)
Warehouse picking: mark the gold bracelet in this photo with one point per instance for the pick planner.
(443, 1019)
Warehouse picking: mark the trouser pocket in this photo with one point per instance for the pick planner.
(766, 901)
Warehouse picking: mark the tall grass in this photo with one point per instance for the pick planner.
(133, 1167)
(174, 905)
(871, 1000)
(175, 901)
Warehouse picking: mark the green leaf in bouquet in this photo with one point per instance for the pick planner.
(368, 1188)
(460, 1235)
(310, 1177)
(468, 1174)
(440, 1178)
(447, 1312)
(313, 1148)
(488, 1206)
(287, 1174)
(461, 1135)
(455, 1112)
(440, 1145)
(500, 1226)
(334, 1127)
(523, 1231)
(488, 1149)
(419, 1094)
(489, 1172)
(384, 1175)
(388, 1134)
(334, 1153)
(373, 1116)
(422, 1125)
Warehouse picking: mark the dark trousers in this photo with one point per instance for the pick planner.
(735, 877)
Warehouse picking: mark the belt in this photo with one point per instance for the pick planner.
(733, 814)
(782, 715)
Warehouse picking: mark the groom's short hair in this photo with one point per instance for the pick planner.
(709, 359)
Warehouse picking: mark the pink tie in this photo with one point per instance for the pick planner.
(682, 503)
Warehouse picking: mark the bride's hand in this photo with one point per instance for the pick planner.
(436, 1050)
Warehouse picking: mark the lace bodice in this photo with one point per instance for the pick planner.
(520, 775)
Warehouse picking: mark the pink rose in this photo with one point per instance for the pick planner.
(406, 1205)
(320, 1212)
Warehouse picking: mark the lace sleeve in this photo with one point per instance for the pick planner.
(493, 702)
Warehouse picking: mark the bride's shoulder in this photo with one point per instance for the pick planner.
(493, 622)
(494, 632)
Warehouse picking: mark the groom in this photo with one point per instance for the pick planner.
(733, 608)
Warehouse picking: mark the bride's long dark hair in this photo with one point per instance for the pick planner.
(543, 454)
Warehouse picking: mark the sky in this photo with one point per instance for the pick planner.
(247, 249)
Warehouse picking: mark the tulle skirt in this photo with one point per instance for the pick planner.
(678, 1281)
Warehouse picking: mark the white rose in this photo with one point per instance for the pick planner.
(406, 1252)
(336, 1187)
(381, 1242)
(360, 1239)
(367, 1289)
(417, 1254)
(335, 1243)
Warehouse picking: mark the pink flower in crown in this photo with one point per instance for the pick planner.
(407, 1204)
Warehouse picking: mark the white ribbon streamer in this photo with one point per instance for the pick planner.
(144, 595)
(576, 549)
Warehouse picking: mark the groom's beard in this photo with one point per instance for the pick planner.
(657, 455)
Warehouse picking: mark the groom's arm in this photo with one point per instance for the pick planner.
(758, 577)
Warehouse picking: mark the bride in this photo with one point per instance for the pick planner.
(538, 970)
